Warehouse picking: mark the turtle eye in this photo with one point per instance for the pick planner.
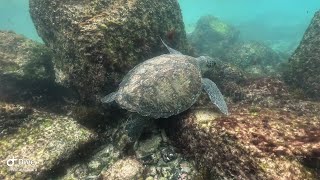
(210, 63)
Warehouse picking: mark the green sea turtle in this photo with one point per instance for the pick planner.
(165, 85)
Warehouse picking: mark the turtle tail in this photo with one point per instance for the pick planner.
(109, 98)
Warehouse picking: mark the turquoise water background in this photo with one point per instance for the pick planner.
(256, 19)
(14, 15)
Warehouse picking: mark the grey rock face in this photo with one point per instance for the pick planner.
(97, 42)
(255, 58)
(304, 65)
(25, 67)
(22, 57)
(212, 36)
(125, 169)
(91, 168)
(46, 139)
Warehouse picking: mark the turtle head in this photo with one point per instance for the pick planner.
(206, 63)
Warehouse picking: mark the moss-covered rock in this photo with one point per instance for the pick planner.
(37, 140)
(124, 169)
(214, 150)
(212, 36)
(159, 159)
(255, 58)
(92, 167)
(218, 39)
(25, 58)
(97, 42)
(303, 69)
(25, 66)
(268, 135)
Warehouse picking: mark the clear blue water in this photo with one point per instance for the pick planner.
(257, 20)
(14, 15)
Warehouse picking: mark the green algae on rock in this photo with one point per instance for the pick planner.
(124, 169)
(218, 39)
(218, 154)
(25, 58)
(92, 167)
(212, 36)
(268, 135)
(160, 161)
(45, 139)
(303, 69)
(254, 58)
(25, 67)
(97, 42)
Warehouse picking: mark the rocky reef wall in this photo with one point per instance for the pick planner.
(303, 69)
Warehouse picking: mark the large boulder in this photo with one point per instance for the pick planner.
(26, 67)
(33, 142)
(125, 169)
(22, 57)
(304, 65)
(268, 135)
(212, 36)
(253, 57)
(97, 42)
(218, 39)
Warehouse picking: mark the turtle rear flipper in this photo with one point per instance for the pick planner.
(215, 95)
(109, 98)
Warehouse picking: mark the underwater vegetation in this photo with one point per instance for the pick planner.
(51, 111)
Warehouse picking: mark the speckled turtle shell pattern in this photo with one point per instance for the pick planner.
(160, 87)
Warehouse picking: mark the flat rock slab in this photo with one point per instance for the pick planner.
(41, 142)
(92, 167)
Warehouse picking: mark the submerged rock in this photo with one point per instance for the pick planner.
(25, 67)
(157, 159)
(268, 135)
(218, 39)
(22, 57)
(124, 169)
(217, 152)
(254, 58)
(42, 141)
(161, 160)
(303, 69)
(92, 167)
(96, 43)
(212, 36)
(146, 149)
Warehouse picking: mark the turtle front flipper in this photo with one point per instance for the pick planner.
(171, 50)
(109, 98)
(215, 95)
